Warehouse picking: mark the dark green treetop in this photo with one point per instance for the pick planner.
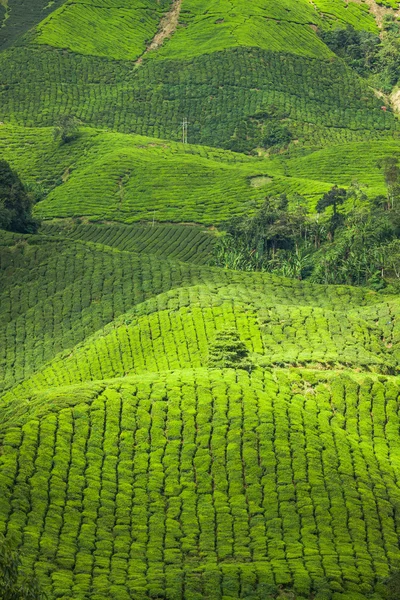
(15, 202)
(13, 586)
(228, 351)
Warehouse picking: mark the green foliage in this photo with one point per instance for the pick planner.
(103, 284)
(392, 590)
(324, 101)
(106, 175)
(200, 482)
(214, 26)
(13, 585)
(15, 203)
(174, 464)
(113, 176)
(276, 134)
(336, 13)
(67, 129)
(371, 56)
(170, 429)
(358, 246)
(391, 172)
(18, 16)
(359, 49)
(188, 243)
(334, 198)
(111, 28)
(229, 352)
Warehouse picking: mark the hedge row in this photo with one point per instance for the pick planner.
(206, 485)
(178, 329)
(114, 29)
(71, 290)
(181, 242)
(323, 101)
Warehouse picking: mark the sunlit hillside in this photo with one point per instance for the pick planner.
(174, 424)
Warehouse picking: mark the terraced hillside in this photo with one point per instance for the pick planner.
(18, 16)
(229, 67)
(127, 178)
(164, 477)
(171, 429)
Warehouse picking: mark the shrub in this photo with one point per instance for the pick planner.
(66, 129)
(228, 351)
(15, 203)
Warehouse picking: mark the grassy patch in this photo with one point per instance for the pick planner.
(113, 29)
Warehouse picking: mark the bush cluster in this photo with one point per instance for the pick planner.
(374, 57)
(15, 203)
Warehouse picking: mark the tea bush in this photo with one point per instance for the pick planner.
(188, 243)
(206, 484)
(106, 175)
(18, 16)
(170, 429)
(113, 28)
(282, 322)
(325, 102)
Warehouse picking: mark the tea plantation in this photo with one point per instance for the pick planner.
(155, 475)
(129, 178)
(170, 429)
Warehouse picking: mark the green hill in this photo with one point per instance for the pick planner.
(128, 178)
(18, 16)
(168, 428)
(206, 484)
(144, 494)
(231, 68)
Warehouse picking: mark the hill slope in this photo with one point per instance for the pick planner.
(178, 480)
(229, 67)
(169, 429)
(127, 178)
(206, 484)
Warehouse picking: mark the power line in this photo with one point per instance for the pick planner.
(185, 131)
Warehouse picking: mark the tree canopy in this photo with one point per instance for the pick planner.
(353, 240)
(15, 202)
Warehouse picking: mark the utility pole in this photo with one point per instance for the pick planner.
(185, 131)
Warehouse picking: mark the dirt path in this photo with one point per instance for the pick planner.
(168, 26)
(4, 4)
(378, 11)
(395, 100)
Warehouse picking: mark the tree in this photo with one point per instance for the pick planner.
(392, 591)
(13, 585)
(358, 48)
(334, 198)
(391, 173)
(229, 352)
(67, 129)
(15, 202)
(276, 134)
(357, 194)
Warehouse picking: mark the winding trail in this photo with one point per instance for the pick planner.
(168, 26)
